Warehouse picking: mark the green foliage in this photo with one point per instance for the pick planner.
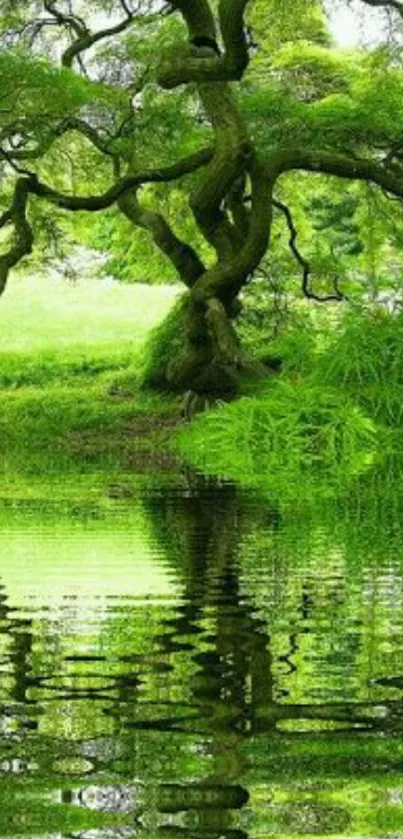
(365, 359)
(288, 438)
(132, 256)
(275, 23)
(37, 92)
(336, 214)
(312, 71)
(276, 322)
(337, 405)
(132, 253)
(327, 98)
(283, 333)
(298, 343)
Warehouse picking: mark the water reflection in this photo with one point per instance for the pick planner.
(198, 664)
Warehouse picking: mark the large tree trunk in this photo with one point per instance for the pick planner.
(195, 348)
(232, 207)
(210, 357)
(196, 351)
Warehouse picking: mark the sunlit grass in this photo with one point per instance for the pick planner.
(65, 348)
(49, 314)
(57, 332)
(52, 329)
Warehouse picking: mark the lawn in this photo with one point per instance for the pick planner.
(64, 347)
(51, 327)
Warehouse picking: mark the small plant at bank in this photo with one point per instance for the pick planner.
(299, 432)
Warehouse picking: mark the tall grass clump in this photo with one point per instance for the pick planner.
(298, 434)
(296, 346)
(365, 360)
(298, 339)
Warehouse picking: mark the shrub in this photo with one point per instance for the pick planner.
(297, 434)
(365, 358)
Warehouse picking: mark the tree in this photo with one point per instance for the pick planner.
(182, 84)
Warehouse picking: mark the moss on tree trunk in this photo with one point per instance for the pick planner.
(196, 349)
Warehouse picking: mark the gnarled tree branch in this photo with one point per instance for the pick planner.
(181, 255)
(182, 67)
(87, 41)
(75, 23)
(396, 5)
(231, 157)
(232, 145)
(339, 165)
(93, 203)
(71, 123)
(231, 14)
(23, 237)
(226, 278)
(198, 16)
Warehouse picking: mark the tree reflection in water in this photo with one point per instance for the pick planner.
(253, 693)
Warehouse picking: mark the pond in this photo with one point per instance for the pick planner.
(194, 662)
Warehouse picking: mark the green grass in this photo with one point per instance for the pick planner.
(53, 329)
(41, 313)
(71, 414)
(292, 439)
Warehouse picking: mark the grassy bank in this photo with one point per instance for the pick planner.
(334, 413)
(51, 328)
(74, 421)
(68, 401)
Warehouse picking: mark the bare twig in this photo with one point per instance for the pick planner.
(306, 268)
(386, 4)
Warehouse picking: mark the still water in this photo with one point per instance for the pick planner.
(192, 662)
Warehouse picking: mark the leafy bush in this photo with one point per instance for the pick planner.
(297, 346)
(288, 439)
(298, 338)
(365, 358)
